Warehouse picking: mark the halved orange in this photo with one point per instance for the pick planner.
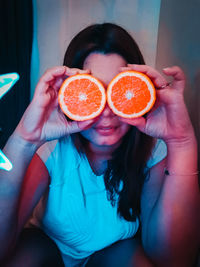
(82, 97)
(131, 94)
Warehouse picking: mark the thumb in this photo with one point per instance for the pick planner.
(139, 123)
(178, 77)
(84, 125)
(77, 126)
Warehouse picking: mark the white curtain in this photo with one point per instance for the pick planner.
(56, 22)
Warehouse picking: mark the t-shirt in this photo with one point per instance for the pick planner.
(75, 211)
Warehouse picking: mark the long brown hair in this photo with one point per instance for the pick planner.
(126, 171)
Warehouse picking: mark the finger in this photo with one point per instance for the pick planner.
(85, 71)
(54, 87)
(124, 68)
(77, 126)
(140, 122)
(153, 74)
(74, 71)
(57, 84)
(178, 76)
(53, 73)
(84, 125)
(48, 77)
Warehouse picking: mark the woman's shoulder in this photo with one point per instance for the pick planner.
(159, 152)
(46, 149)
(57, 151)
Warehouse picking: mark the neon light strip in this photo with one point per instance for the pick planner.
(7, 81)
(5, 163)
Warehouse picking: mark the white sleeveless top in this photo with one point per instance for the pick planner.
(75, 211)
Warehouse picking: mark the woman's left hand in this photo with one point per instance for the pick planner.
(168, 119)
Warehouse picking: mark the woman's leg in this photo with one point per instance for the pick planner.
(35, 249)
(126, 253)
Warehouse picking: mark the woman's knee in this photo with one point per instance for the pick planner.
(34, 248)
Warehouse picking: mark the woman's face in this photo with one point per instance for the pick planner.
(107, 130)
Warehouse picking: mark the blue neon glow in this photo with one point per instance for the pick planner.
(5, 163)
(7, 81)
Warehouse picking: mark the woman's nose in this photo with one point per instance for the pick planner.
(107, 111)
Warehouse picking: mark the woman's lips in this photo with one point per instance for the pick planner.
(105, 130)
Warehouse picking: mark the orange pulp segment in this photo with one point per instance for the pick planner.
(131, 94)
(82, 97)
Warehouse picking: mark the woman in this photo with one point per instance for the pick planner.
(96, 181)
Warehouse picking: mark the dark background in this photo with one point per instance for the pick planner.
(16, 22)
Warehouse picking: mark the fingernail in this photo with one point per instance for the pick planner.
(86, 123)
(89, 121)
(124, 68)
(88, 71)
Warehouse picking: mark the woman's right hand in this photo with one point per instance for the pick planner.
(43, 120)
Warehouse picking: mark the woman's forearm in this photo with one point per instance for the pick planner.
(20, 153)
(172, 235)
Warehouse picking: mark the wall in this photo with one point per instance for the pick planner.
(56, 22)
(179, 44)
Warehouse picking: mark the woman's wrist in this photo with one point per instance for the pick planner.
(188, 141)
(182, 156)
(19, 143)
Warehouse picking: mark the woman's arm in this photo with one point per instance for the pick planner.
(20, 191)
(41, 122)
(170, 208)
(170, 219)
(20, 153)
